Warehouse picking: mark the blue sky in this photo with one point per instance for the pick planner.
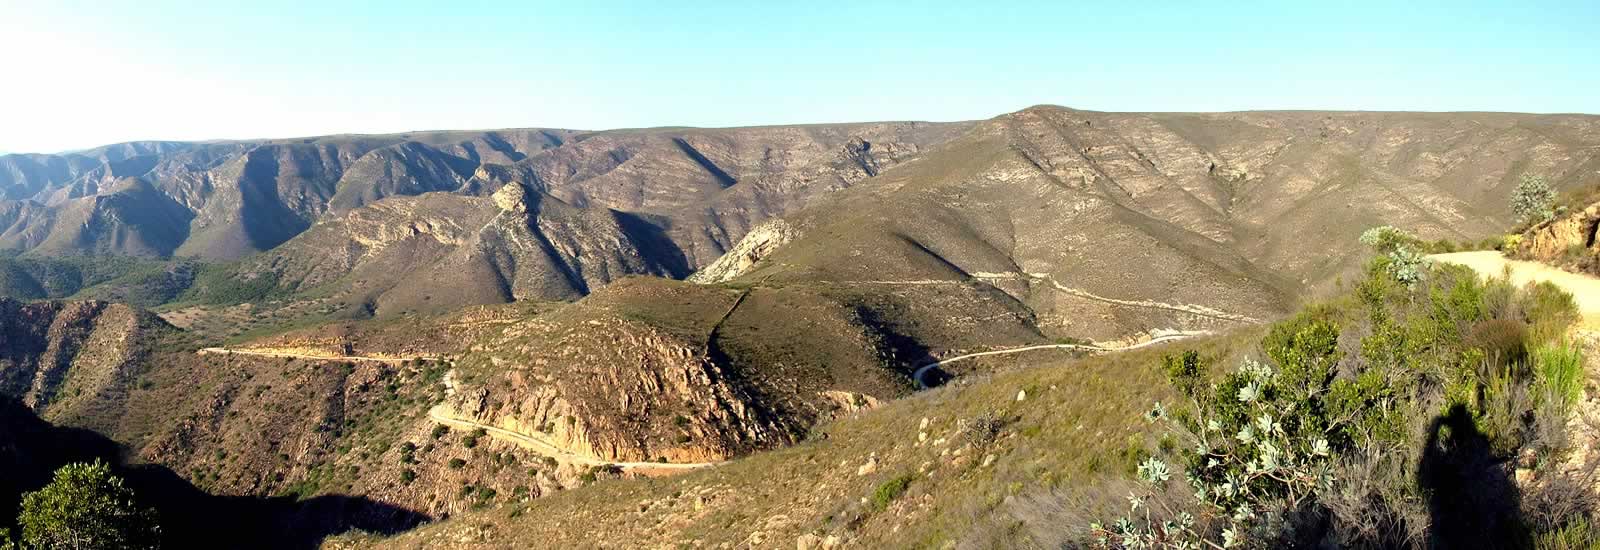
(84, 74)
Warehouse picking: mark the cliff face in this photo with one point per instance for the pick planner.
(1567, 241)
(754, 247)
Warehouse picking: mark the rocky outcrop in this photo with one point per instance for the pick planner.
(755, 246)
(614, 390)
(1567, 241)
(511, 198)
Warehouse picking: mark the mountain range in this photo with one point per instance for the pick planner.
(619, 299)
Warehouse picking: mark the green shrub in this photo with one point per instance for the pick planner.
(1385, 239)
(1559, 372)
(1549, 311)
(890, 490)
(221, 284)
(85, 506)
(457, 464)
(1315, 435)
(1577, 535)
(407, 476)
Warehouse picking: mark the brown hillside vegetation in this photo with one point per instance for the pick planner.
(1078, 214)
(501, 331)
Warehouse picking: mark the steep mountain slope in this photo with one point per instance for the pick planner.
(649, 369)
(195, 422)
(393, 255)
(554, 225)
(129, 218)
(1074, 430)
(1108, 223)
(65, 358)
(250, 196)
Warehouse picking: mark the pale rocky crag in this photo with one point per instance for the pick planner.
(755, 246)
(613, 390)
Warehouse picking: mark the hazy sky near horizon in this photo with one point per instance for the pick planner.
(80, 74)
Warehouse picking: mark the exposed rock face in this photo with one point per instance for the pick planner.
(755, 246)
(647, 369)
(1567, 241)
(511, 198)
(643, 396)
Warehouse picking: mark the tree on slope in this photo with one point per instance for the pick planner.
(1533, 200)
(85, 506)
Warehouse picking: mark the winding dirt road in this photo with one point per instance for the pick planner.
(266, 353)
(1585, 289)
(923, 370)
(539, 445)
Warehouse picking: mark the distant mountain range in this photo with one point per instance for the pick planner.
(1239, 212)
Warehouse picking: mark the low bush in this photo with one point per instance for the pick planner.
(890, 490)
(982, 430)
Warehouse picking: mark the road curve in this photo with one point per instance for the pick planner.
(538, 445)
(260, 353)
(1585, 289)
(923, 370)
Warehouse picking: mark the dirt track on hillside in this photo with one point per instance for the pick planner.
(539, 445)
(923, 370)
(292, 355)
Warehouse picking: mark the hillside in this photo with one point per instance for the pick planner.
(1044, 455)
(474, 326)
(241, 197)
(230, 444)
(1105, 224)
(1227, 217)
